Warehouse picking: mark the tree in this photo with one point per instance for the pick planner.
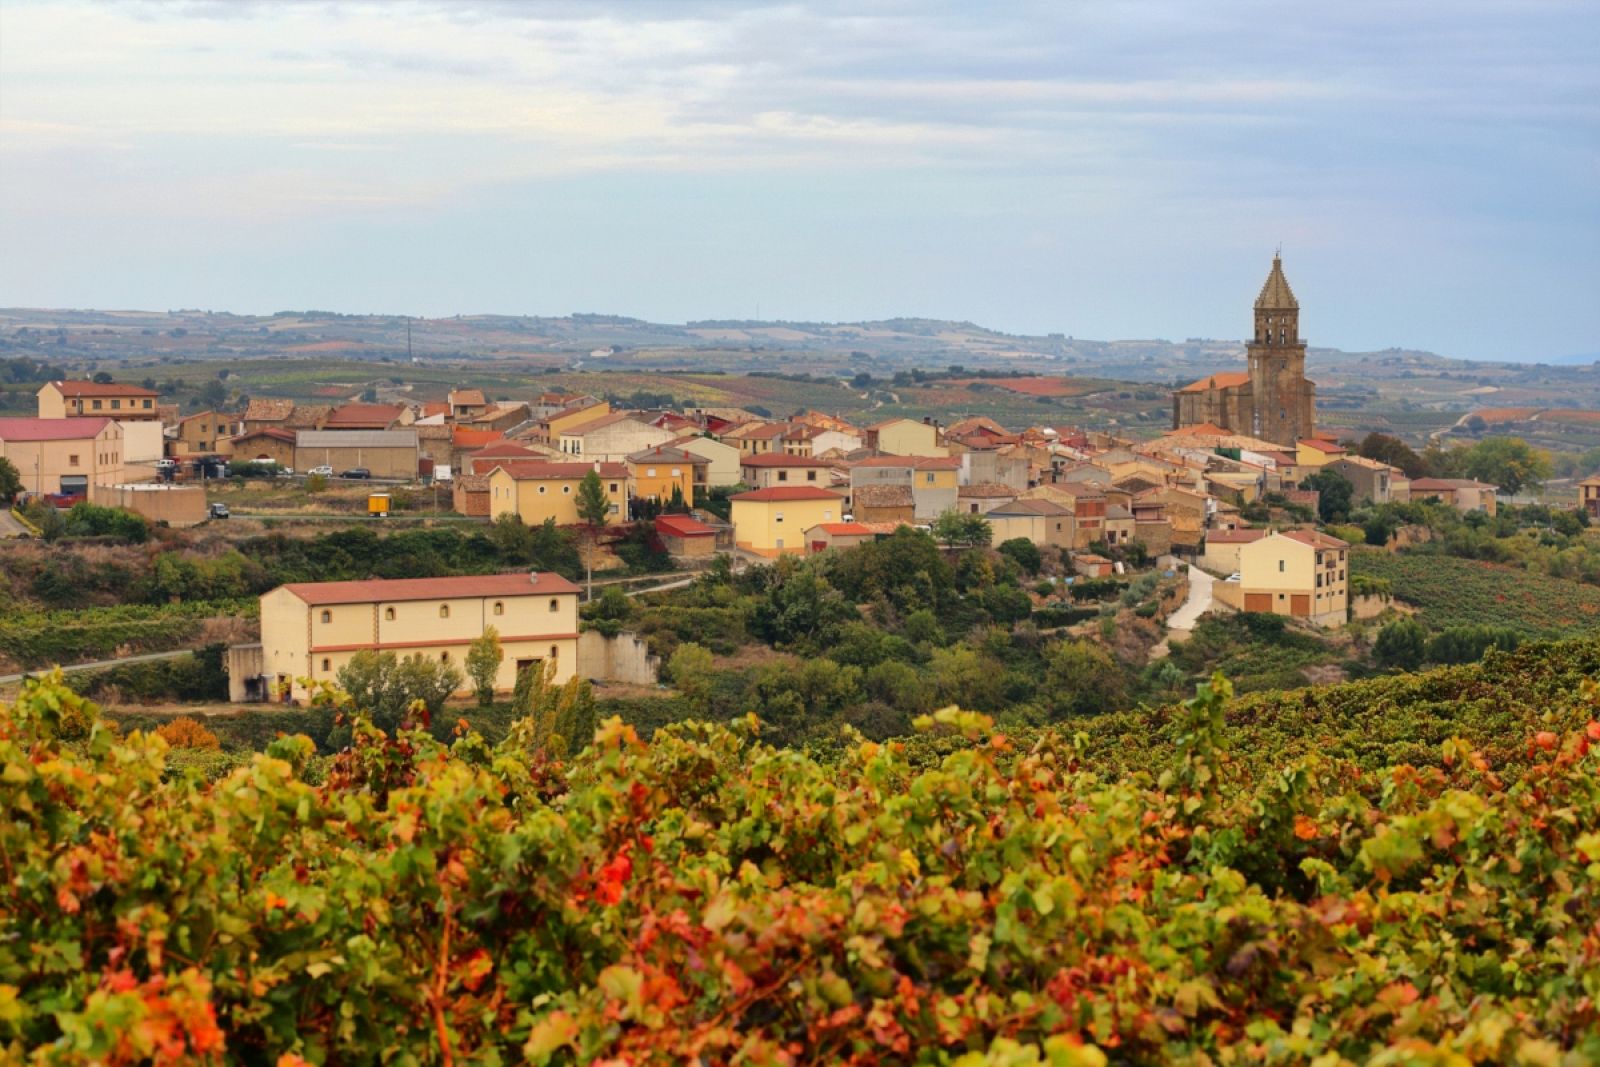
(1082, 679)
(1023, 552)
(553, 720)
(1401, 644)
(483, 664)
(1508, 462)
(1333, 494)
(1386, 448)
(102, 378)
(10, 481)
(690, 670)
(594, 508)
(386, 686)
(962, 530)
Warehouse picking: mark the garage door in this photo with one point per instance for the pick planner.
(74, 484)
(1300, 604)
(1258, 602)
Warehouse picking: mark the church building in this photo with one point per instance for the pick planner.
(1272, 400)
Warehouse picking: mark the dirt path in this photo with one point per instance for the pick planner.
(1182, 621)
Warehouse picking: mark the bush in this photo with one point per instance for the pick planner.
(1023, 552)
(188, 733)
(1401, 644)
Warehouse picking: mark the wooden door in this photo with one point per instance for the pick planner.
(1258, 602)
(1300, 604)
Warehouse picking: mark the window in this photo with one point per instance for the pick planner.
(649, 472)
(555, 604)
(499, 607)
(1280, 566)
(613, 487)
(541, 490)
(444, 657)
(827, 516)
(72, 460)
(327, 664)
(677, 472)
(554, 652)
(811, 476)
(778, 517)
(147, 402)
(783, 476)
(116, 405)
(96, 405)
(444, 611)
(928, 478)
(565, 489)
(388, 614)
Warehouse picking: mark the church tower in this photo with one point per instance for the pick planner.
(1284, 401)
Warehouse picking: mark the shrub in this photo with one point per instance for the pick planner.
(188, 733)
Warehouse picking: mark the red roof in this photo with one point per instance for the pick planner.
(1315, 539)
(683, 526)
(465, 438)
(384, 590)
(788, 492)
(1227, 380)
(374, 416)
(273, 432)
(1321, 444)
(31, 429)
(538, 469)
(778, 459)
(66, 388)
(1235, 537)
(847, 529)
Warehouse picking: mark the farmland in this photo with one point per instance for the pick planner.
(1460, 592)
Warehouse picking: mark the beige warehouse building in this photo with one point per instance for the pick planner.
(64, 455)
(310, 630)
(386, 453)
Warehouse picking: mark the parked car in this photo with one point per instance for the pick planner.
(357, 472)
(285, 472)
(1234, 577)
(219, 511)
(324, 470)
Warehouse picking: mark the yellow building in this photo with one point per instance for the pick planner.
(777, 468)
(654, 473)
(550, 428)
(64, 455)
(1300, 573)
(535, 490)
(772, 522)
(309, 630)
(1313, 452)
(906, 437)
(133, 406)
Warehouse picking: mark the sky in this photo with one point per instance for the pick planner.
(1098, 169)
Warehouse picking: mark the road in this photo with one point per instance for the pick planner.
(12, 679)
(1197, 604)
(9, 526)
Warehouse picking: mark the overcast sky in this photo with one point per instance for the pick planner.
(1101, 169)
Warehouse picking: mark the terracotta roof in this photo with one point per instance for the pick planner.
(1323, 445)
(1275, 293)
(473, 397)
(1085, 557)
(503, 448)
(986, 490)
(1315, 538)
(1225, 380)
(666, 454)
(386, 590)
(846, 529)
(72, 388)
(431, 408)
(305, 416)
(975, 423)
(33, 429)
(268, 409)
(788, 492)
(683, 526)
(524, 470)
(891, 422)
(778, 459)
(277, 433)
(1030, 506)
(1593, 479)
(1234, 537)
(472, 483)
(883, 496)
(362, 416)
(462, 437)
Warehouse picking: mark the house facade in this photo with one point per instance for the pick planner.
(134, 406)
(773, 522)
(537, 490)
(1299, 573)
(310, 630)
(71, 456)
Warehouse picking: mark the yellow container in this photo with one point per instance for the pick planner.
(378, 504)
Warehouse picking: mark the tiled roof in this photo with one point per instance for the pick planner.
(268, 409)
(986, 490)
(883, 496)
(1234, 537)
(1030, 506)
(277, 433)
(336, 438)
(788, 492)
(306, 416)
(472, 483)
(386, 590)
(462, 437)
(779, 459)
(666, 454)
(600, 423)
(362, 416)
(32, 429)
(525, 470)
(683, 526)
(71, 388)
(1425, 484)
(1323, 445)
(846, 529)
(1315, 539)
(472, 397)
(1225, 380)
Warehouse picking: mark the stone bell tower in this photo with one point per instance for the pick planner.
(1285, 403)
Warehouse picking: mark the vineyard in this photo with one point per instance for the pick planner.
(704, 897)
(1460, 592)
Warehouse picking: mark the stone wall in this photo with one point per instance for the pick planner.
(623, 658)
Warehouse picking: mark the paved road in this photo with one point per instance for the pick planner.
(9, 526)
(1182, 621)
(10, 679)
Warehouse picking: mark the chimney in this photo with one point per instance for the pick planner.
(597, 466)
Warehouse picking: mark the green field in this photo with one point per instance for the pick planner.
(1461, 592)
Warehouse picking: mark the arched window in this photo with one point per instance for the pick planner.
(566, 488)
(499, 607)
(327, 664)
(444, 611)
(444, 657)
(541, 490)
(388, 613)
(327, 616)
(555, 604)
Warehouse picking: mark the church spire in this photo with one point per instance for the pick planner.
(1276, 294)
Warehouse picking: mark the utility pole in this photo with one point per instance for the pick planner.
(409, 357)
